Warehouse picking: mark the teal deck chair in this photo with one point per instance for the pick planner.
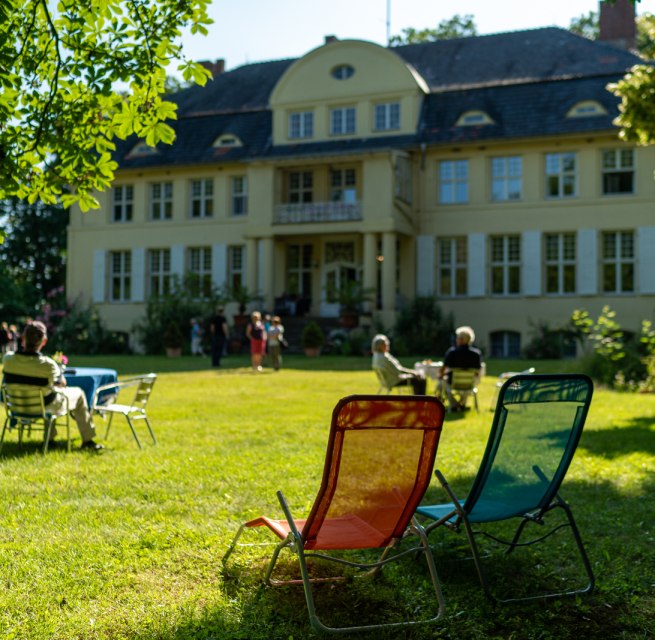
(378, 465)
(535, 432)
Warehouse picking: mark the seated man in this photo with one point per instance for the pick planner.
(30, 364)
(390, 370)
(462, 356)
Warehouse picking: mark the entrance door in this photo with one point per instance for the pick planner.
(335, 276)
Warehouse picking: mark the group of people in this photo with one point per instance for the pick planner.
(266, 339)
(28, 366)
(463, 355)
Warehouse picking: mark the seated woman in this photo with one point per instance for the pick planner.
(390, 370)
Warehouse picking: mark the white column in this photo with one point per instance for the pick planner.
(587, 267)
(266, 272)
(531, 258)
(369, 275)
(646, 259)
(389, 272)
(425, 265)
(99, 275)
(476, 272)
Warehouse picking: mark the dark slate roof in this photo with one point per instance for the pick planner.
(246, 88)
(518, 111)
(525, 80)
(519, 56)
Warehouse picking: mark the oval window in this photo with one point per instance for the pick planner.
(342, 71)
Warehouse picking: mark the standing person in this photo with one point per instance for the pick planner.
(219, 333)
(274, 341)
(5, 339)
(256, 333)
(391, 371)
(30, 366)
(461, 356)
(13, 337)
(196, 338)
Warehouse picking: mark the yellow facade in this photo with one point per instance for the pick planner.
(377, 213)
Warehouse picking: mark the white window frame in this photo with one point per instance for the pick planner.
(236, 266)
(199, 264)
(386, 116)
(239, 196)
(561, 173)
(453, 181)
(508, 263)
(120, 276)
(159, 272)
(161, 200)
(506, 178)
(301, 125)
(621, 263)
(343, 185)
(122, 203)
(452, 259)
(202, 198)
(618, 165)
(560, 258)
(343, 121)
(303, 191)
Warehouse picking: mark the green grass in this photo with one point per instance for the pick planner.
(127, 544)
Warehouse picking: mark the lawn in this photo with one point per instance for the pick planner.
(128, 543)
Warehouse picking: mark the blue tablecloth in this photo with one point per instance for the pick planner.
(89, 379)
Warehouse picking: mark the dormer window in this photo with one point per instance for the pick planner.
(473, 118)
(342, 71)
(141, 150)
(227, 140)
(585, 109)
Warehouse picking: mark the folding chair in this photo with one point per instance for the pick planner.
(378, 465)
(535, 432)
(25, 409)
(384, 388)
(501, 381)
(463, 384)
(105, 397)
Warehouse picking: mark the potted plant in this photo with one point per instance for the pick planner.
(173, 340)
(243, 298)
(312, 339)
(351, 296)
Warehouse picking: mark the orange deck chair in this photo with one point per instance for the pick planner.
(379, 460)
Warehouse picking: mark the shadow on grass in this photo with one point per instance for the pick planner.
(637, 436)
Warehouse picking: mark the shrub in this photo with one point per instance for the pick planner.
(312, 336)
(549, 344)
(422, 329)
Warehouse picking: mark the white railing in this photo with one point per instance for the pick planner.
(317, 212)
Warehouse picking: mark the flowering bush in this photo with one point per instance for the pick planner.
(60, 358)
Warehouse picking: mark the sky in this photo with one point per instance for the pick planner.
(247, 31)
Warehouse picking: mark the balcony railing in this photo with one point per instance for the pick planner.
(317, 212)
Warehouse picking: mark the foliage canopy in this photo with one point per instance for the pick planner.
(76, 75)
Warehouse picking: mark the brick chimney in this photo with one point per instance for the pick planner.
(215, 68)
(617, 24)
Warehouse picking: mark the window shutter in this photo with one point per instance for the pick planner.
(646, 259)
(219, 264)
(99, 276)
(138, 274)
(587, 267)
(531, 258)
(425, 265)
(477, 264)
(177, 260)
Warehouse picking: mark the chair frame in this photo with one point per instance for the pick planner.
(296, 542)
(458, 388)
(31, 399)
(383, 385)
(458, 517)
(104, 402)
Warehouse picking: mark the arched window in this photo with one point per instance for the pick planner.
(505, 344)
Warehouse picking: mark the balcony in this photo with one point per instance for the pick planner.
(317, 212)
